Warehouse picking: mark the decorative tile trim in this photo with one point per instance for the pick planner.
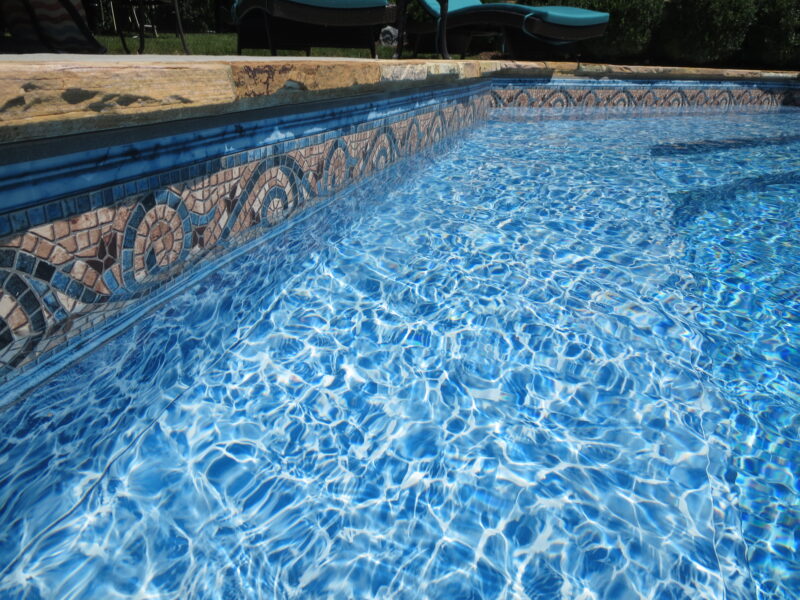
(643, 95)
(90, 256)
(69, 263)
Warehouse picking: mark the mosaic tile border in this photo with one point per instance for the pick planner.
(97, 253)
(68, 264)
(629, 96)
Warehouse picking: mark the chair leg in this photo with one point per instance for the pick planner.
(141, 28)
(149, 19)
(270, 39)
(113, 16)
(465, 49)
(119, 30)
(402, 5)
(441, 34)
(180, 28)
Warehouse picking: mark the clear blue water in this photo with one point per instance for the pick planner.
(559, 362)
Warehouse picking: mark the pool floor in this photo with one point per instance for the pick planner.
(561, 361)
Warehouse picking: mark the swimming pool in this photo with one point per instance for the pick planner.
(559, 359)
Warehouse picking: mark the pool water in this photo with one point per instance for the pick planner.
(559, 361)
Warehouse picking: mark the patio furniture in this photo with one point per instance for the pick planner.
(139, 15)
(518, 24)
(303, 24)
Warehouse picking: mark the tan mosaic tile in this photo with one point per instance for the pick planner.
(83, 240)
(16, 318)
(60, 230)
(84, 221)
(44, 249)
(46, 231)
(7, 304)
(70, 244)
(91, 278)
(28, 242)
(60, 255)
(78, 269)
(116, 271)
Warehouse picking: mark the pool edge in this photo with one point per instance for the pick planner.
(47, 96)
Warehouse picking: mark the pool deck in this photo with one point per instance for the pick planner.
(47, 96)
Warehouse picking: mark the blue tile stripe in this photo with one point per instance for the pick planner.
(143, 166)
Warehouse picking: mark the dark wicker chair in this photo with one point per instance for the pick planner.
(300, 25)
(135, 17)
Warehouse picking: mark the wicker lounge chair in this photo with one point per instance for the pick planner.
(140, 19)
(520, 25)
(47, 26)
(303, 24)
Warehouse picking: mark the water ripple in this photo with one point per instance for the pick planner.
(553, 363)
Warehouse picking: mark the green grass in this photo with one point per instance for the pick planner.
(169, 43)
(220, 44)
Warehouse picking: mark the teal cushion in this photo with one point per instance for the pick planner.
(452, 5)
(569, 15)
(558, 15)
(344, 3)
(334, 3)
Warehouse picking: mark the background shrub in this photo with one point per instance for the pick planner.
(196, 15)
(774, 37)
(704, 31)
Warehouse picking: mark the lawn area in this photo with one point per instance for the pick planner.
(220, 44)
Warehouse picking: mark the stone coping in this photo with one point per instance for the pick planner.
(45, 96)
